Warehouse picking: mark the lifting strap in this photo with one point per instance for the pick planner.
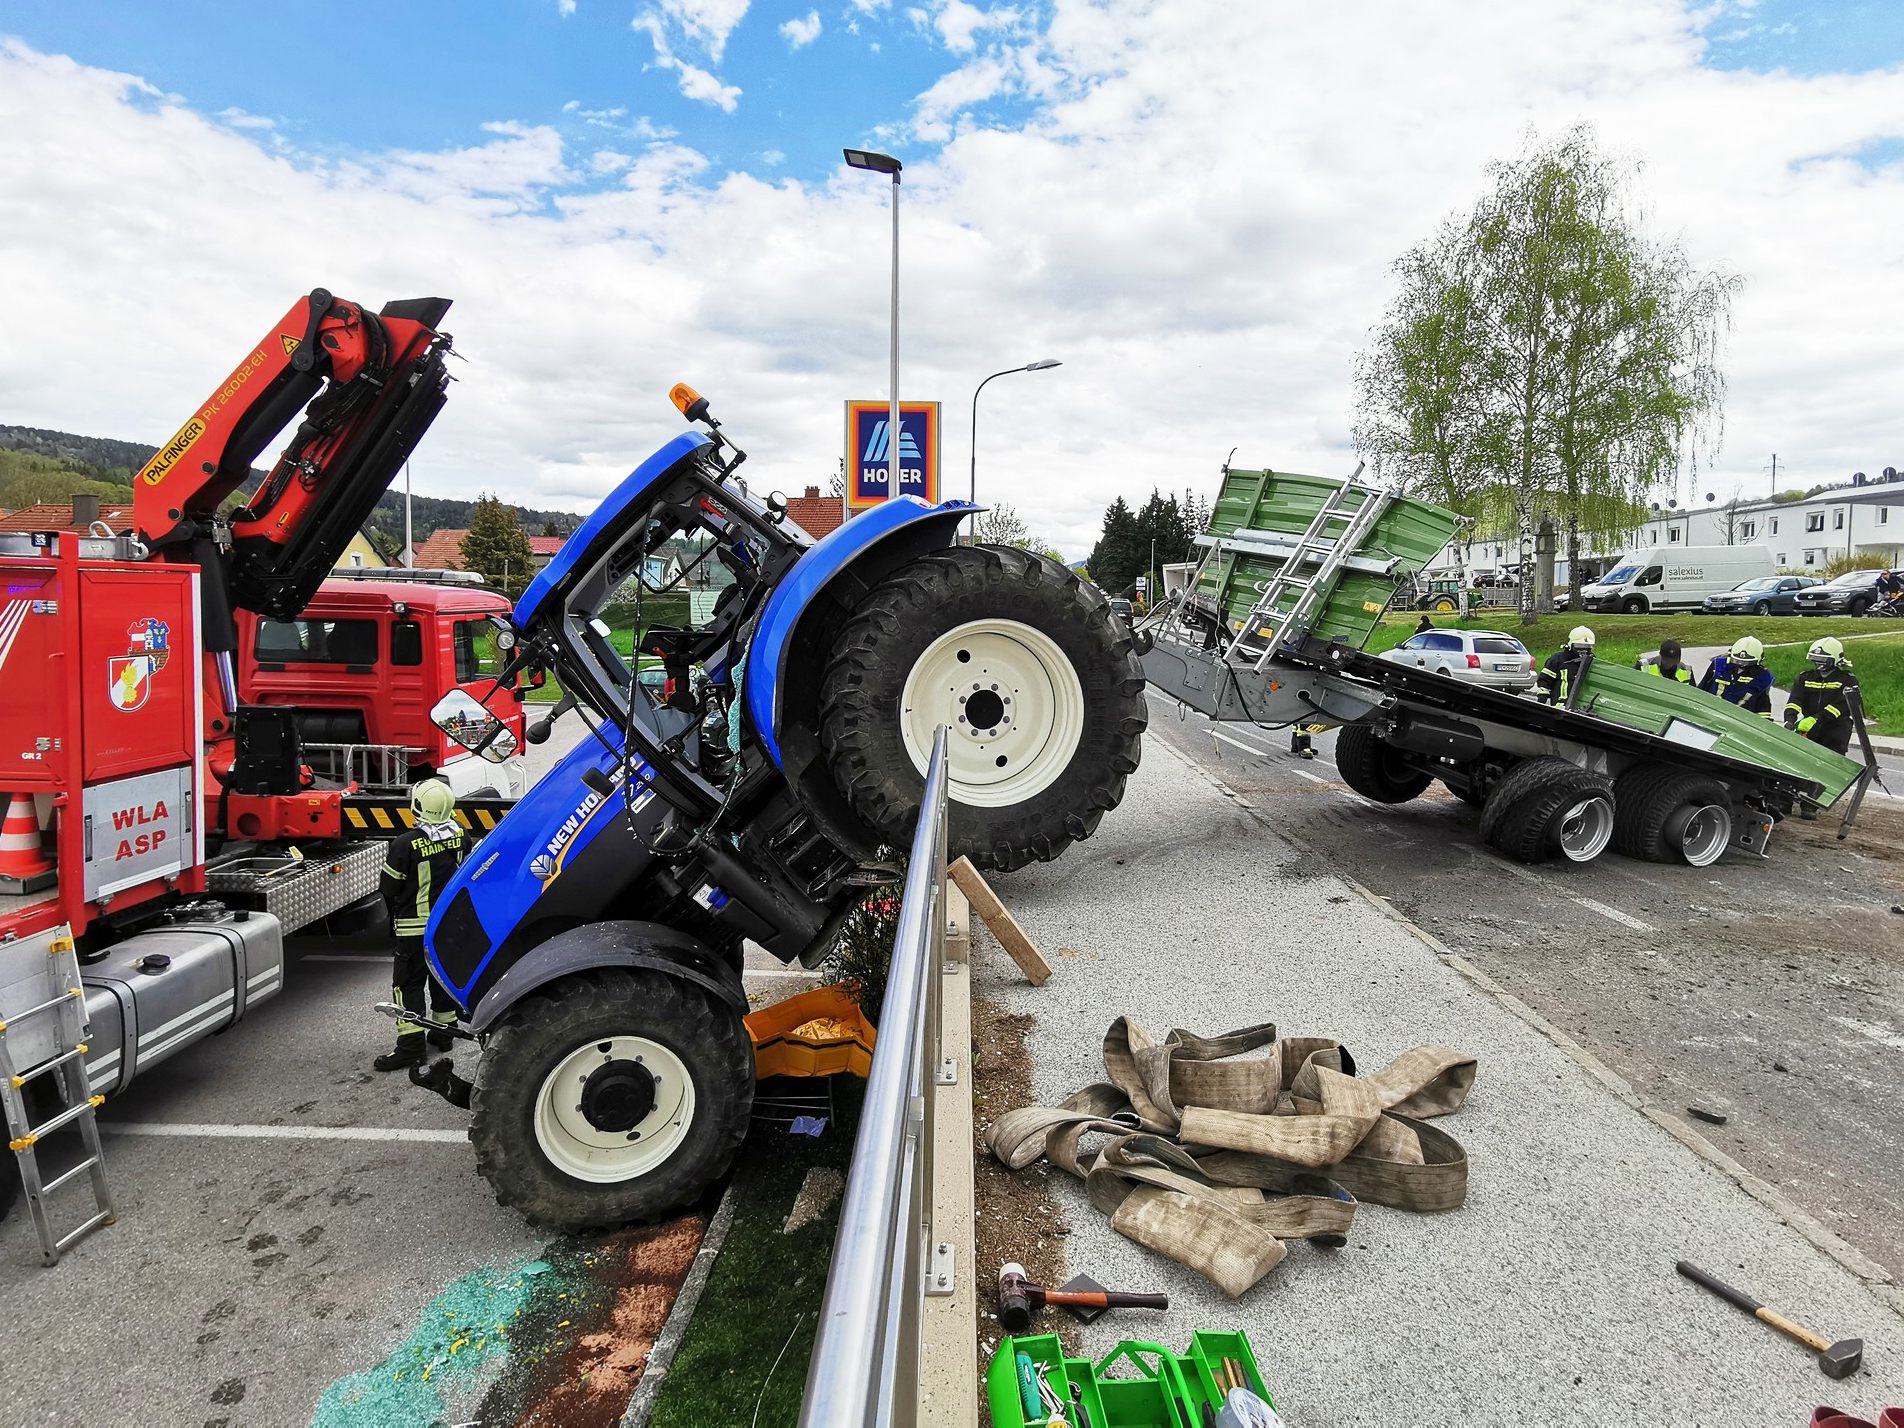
(1198, 1135)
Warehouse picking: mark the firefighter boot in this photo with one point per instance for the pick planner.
(412, 1050)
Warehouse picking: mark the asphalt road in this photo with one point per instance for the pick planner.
(1769, 991)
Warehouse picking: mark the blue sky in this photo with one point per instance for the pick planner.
(368, 77)
(1807, 36)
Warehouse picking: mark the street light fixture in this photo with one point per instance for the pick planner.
(1039, 366)
(887, 164)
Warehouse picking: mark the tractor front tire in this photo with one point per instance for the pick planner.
(1373, 769)
(1029, 670)
(612, 1097)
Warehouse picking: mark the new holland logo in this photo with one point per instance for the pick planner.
(167, 456)
(877, 444)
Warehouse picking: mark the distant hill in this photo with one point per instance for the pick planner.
(61, 463)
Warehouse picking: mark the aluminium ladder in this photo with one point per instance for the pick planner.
(1331, 539)
(44, 973)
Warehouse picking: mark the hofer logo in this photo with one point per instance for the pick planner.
(870, 450)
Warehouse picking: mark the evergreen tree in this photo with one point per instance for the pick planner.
(1116, 560)
(496, 548)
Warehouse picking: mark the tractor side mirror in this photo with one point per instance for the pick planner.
(467, 723)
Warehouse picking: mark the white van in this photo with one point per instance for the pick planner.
(1673, 577)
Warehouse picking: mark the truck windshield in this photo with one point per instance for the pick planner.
(1619, 575)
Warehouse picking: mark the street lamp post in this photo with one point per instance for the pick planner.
(887, 164)
(1039, 366)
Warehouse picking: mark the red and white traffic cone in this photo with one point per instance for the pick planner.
(21, 856)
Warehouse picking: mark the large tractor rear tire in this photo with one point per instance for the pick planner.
(1544, 806)
(613, 1097)
(1373, 769)
(1669, 815)
(1033, 675)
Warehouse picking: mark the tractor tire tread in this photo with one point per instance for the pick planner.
(1646, 796)
(1519, 815)
(546, 1026)
(859, 696)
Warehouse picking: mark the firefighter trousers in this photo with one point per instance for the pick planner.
(411, 982)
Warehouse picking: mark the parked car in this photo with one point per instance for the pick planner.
(1852, 593)
(1122, 609)
(1763, 595)
(1487, 657)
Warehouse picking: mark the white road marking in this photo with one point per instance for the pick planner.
(1246, 748)
(1313, 778)
(343, 957)
(1612, 913)
(189, 1130)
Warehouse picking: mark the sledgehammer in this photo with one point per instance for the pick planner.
(1019, 1298)
(1837, 1360)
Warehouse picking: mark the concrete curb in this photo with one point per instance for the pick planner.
(1872, 1275)
(668, 1343)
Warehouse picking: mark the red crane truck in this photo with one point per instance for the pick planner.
(161, 819)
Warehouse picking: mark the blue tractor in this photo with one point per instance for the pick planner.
(745, 778)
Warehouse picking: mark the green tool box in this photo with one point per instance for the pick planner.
(1136, 1385)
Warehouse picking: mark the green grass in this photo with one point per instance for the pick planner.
(1623, 638)
(762, 1302)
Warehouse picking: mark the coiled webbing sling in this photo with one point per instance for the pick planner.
(1215, 1158)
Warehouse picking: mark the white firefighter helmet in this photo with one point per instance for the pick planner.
(432, 801)
(1825, 651)
(1747, 649)
(1580, 637)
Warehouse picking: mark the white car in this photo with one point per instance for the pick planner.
(1487, 657)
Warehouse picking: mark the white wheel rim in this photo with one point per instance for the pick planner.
(1706, 835)
(1012, 701)
(578, 1148)
(1586, 829)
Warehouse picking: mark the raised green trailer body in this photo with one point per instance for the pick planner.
(1409, 533)
(1694, 719)
(1257, 510)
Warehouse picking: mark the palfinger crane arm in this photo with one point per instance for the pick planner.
(368, 384)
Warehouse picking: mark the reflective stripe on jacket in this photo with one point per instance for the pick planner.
(416, 867)
(1680, 673)
(1751, 692)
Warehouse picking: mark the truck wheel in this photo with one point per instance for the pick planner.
(1031, 671)
(1547, 805)
(1668, 815)
(1373, 769)
(1634, 606)
(610, 1098)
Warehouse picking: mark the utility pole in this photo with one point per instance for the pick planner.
(1774, 473)
(409, 539)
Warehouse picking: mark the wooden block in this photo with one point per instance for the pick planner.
(990, 911)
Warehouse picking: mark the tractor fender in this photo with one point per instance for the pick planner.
(595, 945)
(834, 574)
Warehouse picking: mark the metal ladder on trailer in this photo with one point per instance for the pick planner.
(1288, 600)
(46, 976)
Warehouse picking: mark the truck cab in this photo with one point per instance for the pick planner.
(364, 662)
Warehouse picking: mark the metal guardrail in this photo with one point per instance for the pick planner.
(886, 1257)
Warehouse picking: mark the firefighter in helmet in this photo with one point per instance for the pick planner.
(1820, 706)
(418, 866)
(1563, 665)
(1739, 676)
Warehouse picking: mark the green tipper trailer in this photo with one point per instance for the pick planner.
(1296, 575)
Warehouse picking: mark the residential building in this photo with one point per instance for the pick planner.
(815, 514)
(1802, 535)
(443, 550)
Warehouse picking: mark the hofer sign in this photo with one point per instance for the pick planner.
(869, 450)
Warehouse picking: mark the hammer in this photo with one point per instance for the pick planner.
(1019, 1298)
(1837, 1360)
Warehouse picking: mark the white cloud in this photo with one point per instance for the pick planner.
(565, 8)
(707, 23)
(773, 158)
(694, 82)
(1203, 252)
(799, 32)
